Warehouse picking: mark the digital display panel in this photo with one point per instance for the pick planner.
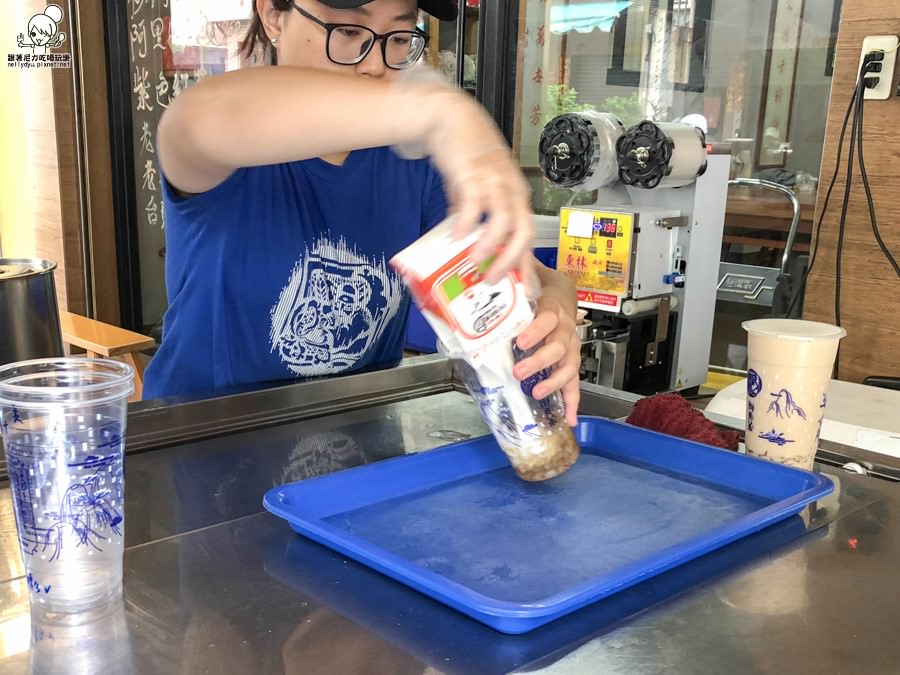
(606, 227)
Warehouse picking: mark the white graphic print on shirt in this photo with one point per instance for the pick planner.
(335, 306)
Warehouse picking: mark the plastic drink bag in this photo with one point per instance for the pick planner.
(477, 324)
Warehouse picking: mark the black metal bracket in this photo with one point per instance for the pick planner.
(496, 75)
(115, 25)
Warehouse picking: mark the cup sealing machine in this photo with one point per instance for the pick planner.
(644, 255)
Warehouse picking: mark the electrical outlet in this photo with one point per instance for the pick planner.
(887, 44)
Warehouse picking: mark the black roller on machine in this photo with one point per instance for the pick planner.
(667, 154)
(577, 150)
(568, 150)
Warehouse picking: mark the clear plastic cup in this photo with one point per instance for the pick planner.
(63, 426)
(532, 433)
(789, 369)
(94, 640)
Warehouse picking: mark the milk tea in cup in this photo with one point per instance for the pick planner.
(789, 369)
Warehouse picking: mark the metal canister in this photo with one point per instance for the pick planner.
(29, 314)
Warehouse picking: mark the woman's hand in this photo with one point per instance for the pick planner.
(554, 322)
(483, 180)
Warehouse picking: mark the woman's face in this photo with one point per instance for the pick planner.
(301, 41)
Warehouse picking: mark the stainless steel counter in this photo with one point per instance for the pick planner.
(215, 585)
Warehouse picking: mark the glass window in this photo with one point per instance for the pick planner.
(756, 76)
(172, 44)
(444, 45)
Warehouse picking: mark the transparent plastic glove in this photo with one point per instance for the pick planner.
(550, 344)
(484, 182)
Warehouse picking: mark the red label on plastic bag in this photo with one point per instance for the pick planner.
(450, 289)
(456, 292)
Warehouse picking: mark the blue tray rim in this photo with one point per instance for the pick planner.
(478, 604)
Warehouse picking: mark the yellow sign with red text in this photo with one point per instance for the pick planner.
(595, 252)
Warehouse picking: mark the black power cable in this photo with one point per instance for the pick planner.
(857, 135)
(845, 202)
(842, 223)
(837, 163)
(856, 107)
(873, 218)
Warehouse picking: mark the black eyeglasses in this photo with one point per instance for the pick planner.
(348, 44)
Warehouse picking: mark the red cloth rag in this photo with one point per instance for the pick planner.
(672, 414)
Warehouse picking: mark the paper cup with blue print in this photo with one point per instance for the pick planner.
(63, 425)
(789, 368)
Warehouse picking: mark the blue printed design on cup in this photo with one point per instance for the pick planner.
(66, 497)
(85, 518)
(22, 489)
(496, 412)
(545, 405)
(822, 416)
(36, 586)
(775, 437)
(754, 383)
(530, 382)
(750, 410)
(95, 462)
(783, 405)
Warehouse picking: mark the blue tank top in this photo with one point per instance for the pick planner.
(282, 272)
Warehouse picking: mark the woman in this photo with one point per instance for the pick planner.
(284, 200)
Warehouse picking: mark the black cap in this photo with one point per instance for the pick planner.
(445, 10)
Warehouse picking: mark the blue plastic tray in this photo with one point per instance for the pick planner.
(457, 525)
(451, 642)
